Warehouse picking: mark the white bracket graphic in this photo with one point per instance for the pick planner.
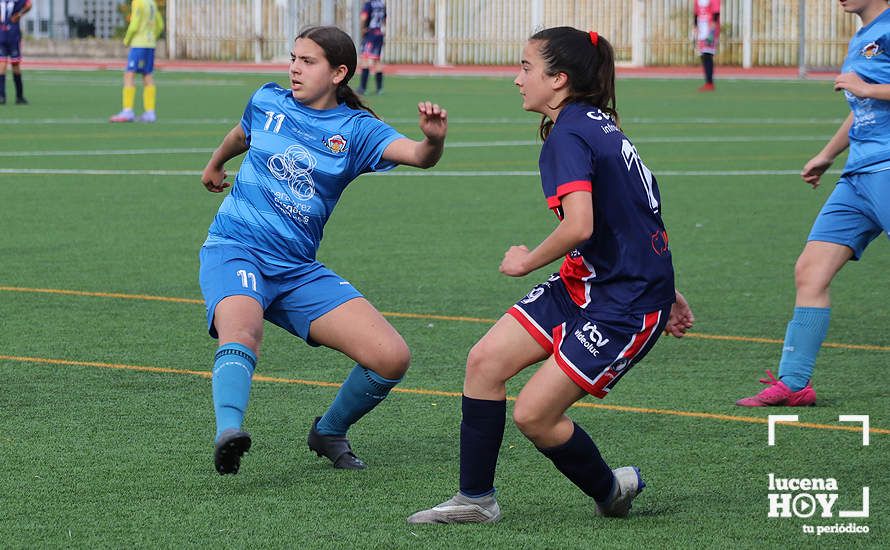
(771, 420)
(857, 513)
(863, 418)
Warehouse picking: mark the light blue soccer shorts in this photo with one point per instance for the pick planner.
(292, 297)
(857, 211)
(141, 60)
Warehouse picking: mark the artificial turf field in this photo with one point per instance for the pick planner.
(106, 418)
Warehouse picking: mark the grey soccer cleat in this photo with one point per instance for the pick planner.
(628, 484)
(461, 509)
(335, 447)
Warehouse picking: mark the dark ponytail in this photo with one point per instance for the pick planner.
(589, 62)
(339, 50)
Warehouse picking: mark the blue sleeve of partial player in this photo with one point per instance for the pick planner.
(567, 165)
(372, 139)
(247, 116)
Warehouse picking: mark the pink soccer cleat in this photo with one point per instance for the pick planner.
(123, 116)
(777, 394)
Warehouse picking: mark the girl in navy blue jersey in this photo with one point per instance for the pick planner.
(594, 319)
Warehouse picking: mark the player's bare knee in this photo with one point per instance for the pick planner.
(390, 360)
(250, 337)
(479, 362)
(808, 279)
(529, 421)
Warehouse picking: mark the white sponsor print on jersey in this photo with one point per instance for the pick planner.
(298, 211)
(295, 166)
(600, 116)
(864, 114)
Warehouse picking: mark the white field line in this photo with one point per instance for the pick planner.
(455, 145)
(107, 152)
(456, 120)
(397, 173)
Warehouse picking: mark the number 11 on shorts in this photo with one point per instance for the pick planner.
(248, 279)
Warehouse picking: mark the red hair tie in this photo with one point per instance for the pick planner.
(594, 38)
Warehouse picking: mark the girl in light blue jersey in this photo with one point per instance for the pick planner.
(304, 145)
(857, 211)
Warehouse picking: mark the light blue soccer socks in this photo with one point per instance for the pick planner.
(803, 338)
(232, 372)
(362, 390)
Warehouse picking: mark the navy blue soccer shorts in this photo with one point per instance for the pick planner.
(291, 297)
(372, 46)
(141, 60)
(594, 350)
(12, 49)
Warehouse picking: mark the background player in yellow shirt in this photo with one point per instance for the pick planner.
(142, 35)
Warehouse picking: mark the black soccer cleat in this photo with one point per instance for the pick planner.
(335, 447)
(21, 101)
(230, 446)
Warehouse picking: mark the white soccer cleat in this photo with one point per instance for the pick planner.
(461, 509)
(124, 116)
(628, 484)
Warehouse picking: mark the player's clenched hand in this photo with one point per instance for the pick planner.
(214, 179)
(433, 121)
(513, 263)
(814, 169)
(681, 318)
(852, 83)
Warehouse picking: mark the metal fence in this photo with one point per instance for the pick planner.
(811, 33)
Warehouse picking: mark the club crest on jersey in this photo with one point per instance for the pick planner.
(660, 242)
(336, 143)
(871, 49)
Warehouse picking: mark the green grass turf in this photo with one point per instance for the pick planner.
(95, 456)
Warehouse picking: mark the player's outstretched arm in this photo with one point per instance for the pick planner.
(681, 318)
(214, 176)
(425, 153)
(575, 227)
(817, 165)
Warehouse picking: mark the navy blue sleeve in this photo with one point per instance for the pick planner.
(567, 165)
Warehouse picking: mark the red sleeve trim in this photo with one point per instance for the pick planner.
(566, 188)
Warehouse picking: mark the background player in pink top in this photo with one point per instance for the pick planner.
(707, 33)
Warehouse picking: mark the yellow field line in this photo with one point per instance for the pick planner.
(419, 391)
(427, 316)
(101, 294)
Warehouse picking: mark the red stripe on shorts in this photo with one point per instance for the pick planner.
(574, 373)
(534, 330)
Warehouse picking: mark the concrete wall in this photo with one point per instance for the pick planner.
(87, 47)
